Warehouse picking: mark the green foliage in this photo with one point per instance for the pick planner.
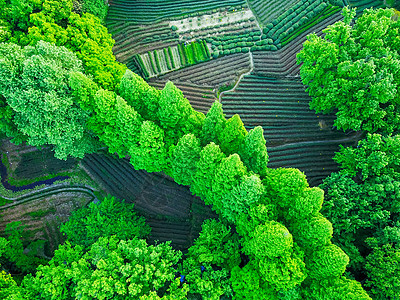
(382, 266)
(216, 245)
(327, 261)
(228, 175)
(214, 253)
(270, 239)
(247, 284)
(149, 153)
(37, 92)
(285, 185)
(312, 232)
(110, 269)
(84, 90)
(206, 168)
(244, 195)
(285, 272)
(253, 151)
(306, 204)
(97, 8)
(173, 112)
(356, 70)
(214, 123)
(17, 256)
(53, 21)
(115, 122)
(141, 96)
(9, 290)
(184, 158)
(374, 156)
(104, 219)
(335, 289)
(232, 135)
(366, 212)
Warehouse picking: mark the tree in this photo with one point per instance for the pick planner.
(29, 21)
(214, 123)
(97, 8)
(244, 195)
(206, 168)
(115, 122)
(37, 92)
(253, 151)
(208, 263)
(174, 108)
(140, 95)
(335, 289)
(184, 159)
(355, 69)
(150, 152)
(366, 210)
(382, 265)
(110, 269)
(104, 219)
(228, 175)
(232, 136)
(327, 262)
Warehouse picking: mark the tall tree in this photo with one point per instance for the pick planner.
(139, 94)
(173, 112)
(35, 86)
(232, 136)
(253, 151)
(115, 122)
(149, 153)
(184, 159)
(206, 168)
(214, 123)
(355, 69)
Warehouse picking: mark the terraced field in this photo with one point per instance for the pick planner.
(296, 136)
(43, 211)
(201, 97)
(167, 206)
(283, 62)
(214, 73)
(268, 10)
(270, 34)
(151, 11)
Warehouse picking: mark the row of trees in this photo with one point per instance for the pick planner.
(222, 163)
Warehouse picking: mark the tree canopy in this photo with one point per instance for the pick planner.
(354, 70)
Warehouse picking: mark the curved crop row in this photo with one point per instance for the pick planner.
(267, 10)
(302, 16)
(281, 107)
(201, 97)
(166, 205)
(215, 72)
(284, 62)
(144, 11)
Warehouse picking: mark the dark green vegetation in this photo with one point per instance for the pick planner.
(271, 240)
(355, 70)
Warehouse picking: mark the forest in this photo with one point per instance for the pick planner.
(77, 83)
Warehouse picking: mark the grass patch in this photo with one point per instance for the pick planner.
(41, 213)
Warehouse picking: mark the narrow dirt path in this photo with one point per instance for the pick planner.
(240, 77)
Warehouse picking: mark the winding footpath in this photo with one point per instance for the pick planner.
(240, 77)
(51, 189)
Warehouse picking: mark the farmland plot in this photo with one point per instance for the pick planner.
(281, 107)
(151, 11)
(166, 205)
(43, 211)
(283, 62)
(201, 97)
